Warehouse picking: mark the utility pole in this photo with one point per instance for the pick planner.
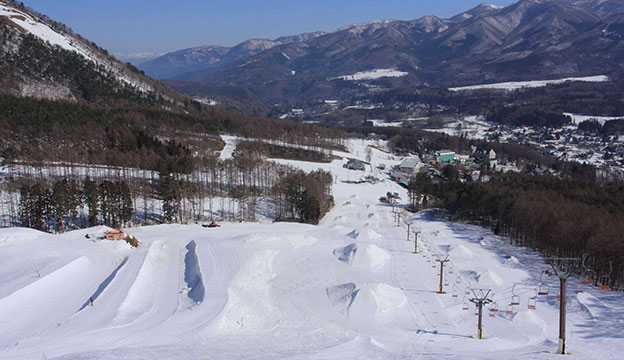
(563, 268)
(481, 297)
(442, 258)
(416, 232)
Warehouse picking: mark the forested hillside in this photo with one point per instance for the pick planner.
(558, 217)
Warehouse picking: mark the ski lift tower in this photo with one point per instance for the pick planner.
(563, 268)
(481, 297)
(442, 258)
(416, 232)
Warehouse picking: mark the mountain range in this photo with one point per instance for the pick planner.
(527, 40)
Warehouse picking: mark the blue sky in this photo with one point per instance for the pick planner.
(132, 26)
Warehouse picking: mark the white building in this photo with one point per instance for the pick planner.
(410, 165)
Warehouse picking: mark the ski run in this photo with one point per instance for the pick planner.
(350, 288)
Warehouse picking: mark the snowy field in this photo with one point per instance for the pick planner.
(372, 75)
(577, 118)
(514, 85)
(349, 288)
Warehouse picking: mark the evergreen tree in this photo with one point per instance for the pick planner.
(90, 194)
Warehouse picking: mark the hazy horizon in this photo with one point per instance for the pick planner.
(162, 26)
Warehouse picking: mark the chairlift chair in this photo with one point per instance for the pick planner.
(543, 288)
(515, 299)
(532, 305)
(509, 310)
(494, 307)
(606, 279)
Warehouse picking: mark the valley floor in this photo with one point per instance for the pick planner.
(348, 288)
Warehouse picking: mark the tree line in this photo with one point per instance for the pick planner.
(610, 127)
(58, 207)
(218, 189)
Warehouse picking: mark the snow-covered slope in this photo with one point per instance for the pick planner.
(349, 288)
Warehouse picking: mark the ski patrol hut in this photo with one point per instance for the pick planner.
(115, 235)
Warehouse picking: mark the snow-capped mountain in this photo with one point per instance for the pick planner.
(527, 40)
(203, 57)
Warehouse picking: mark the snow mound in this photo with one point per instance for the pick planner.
(388, 298)
(342, 296)
(472, 276)
(14, 236)
(510, 260)
(363, 257)
(251, 307)
(462, 252)
(370, 235)
(104, 284)
(366, 301)
(488, 277)
(36, 303)
(143, 293)
(531, 323)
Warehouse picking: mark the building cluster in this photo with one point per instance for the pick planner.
(568, 143)
(433, 163)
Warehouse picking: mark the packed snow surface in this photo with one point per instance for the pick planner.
(514, 85)
(373, 74)
(350, 288)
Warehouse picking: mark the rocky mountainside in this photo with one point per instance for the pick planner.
(203, 57)
(530, 39)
